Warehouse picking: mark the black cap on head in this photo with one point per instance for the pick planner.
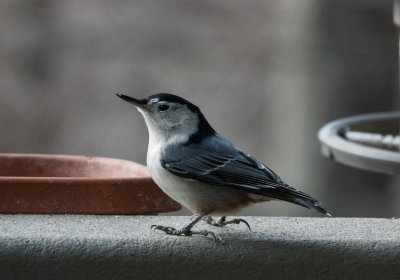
(175, 99)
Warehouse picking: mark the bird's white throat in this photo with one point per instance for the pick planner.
(163, 135)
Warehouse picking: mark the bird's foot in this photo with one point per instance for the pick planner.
(186, 231)
(223, 222)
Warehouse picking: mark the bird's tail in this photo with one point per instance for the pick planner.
(289, 194)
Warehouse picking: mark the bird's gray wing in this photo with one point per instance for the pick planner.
(216, 161)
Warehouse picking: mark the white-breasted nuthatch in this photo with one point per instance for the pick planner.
(203, 171)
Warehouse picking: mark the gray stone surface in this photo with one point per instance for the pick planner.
(123, 247)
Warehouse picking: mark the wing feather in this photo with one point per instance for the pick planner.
(218, 162)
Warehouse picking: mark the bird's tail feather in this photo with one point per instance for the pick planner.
(289, 194)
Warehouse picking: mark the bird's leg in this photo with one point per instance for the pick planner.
(223, 222)
(187, 230)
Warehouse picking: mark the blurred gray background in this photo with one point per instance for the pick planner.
(267, 74)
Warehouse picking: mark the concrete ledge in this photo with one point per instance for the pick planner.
(123, 247)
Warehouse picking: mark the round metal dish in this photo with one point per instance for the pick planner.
(336, 147)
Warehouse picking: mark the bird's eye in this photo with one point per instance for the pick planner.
(163, 107)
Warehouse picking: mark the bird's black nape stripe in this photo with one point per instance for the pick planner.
(204, 131)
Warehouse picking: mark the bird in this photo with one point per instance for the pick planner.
(203, 171)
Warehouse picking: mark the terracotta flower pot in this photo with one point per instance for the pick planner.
(59, 184)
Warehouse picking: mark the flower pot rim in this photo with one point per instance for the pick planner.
(97, 185)
(81, 158)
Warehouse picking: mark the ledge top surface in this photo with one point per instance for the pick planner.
(124, 247)
(287, 229)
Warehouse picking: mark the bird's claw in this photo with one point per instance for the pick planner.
(222, 221)
(167, 230)
(238, 221)
(204, 233)
(185, 232)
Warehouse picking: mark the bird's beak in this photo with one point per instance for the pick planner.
(137, 102)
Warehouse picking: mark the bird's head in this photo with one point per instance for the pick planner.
(170, 116)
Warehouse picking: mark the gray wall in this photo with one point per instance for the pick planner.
(268, 74)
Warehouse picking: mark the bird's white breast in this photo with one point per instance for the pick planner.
(177, 188)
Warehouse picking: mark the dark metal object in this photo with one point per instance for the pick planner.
(336, 147)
